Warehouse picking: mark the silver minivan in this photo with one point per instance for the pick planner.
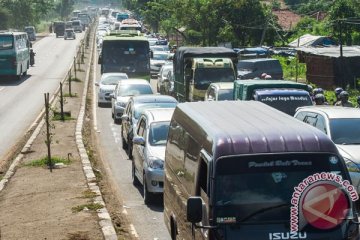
(149, 151)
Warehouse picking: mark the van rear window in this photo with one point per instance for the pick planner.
(286, 103)
(259, 189)
(6, 42)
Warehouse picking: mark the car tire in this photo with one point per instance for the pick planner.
(148, 196)
(129, 149)
(116, 121)
(124, 144)
(134, 179)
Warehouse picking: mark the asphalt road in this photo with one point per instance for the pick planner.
(147, 220)
(22, 101)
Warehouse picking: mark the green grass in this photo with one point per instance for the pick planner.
(76, 80)
(57, 117)
(70, 95)
(90, 206)
(89, 194)
(288, 65)
(44, 162)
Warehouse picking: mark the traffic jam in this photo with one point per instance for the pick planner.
(233, 148)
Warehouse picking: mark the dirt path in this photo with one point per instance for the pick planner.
(39, 204)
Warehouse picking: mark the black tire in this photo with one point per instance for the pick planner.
(124, 144)
(148, 196)
(116, 121)
(135, 180)
(129, 149)
(173, 230)
(24, 73)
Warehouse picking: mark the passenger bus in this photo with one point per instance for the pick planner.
(14, 54)
(123, 51)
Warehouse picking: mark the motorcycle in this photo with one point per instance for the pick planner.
(32, 57)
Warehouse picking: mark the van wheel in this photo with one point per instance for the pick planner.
(147, 195)
(173, 230)
(18, 77)
(24, 73)
(134, 179)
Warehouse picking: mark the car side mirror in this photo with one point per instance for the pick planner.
(96, 84)
(112, 95)
(151, 54)
(166, 79)
(139, 141)
(100, 59)
(125, 117)
(194, 210)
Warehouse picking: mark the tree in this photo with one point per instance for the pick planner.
(64, 8)
(5, 17)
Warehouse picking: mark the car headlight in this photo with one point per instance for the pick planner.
(156, 163)
(121, 104)
(352, 166)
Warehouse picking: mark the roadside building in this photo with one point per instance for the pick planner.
(327, 69)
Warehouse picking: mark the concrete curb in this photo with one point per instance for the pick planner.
(105, 222)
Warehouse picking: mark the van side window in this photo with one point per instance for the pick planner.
(192, 150)
(203, 177)
(176, 142)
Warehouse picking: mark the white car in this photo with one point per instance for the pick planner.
(158, 59)
(342, 125)
(123, 91)
(162, 77)
(107, 86)
(149, 150)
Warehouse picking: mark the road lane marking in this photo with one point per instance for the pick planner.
(2, 88)
(94, 94)
(133, 231)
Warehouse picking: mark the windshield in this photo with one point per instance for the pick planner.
(245, 66)
(130, 56)
(134, 89)
(158, 133)
(285, 103)
(204, 76)
(225, 94)
(113, 80)
(140, 109)
(345, 130)
(160, 56)
(258, 189)
(6, 42)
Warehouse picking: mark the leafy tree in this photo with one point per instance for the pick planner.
(5, 17)
(64, 8)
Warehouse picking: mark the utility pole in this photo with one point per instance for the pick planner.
(264, 32)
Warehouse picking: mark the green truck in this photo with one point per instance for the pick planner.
(283, 95)
(195, 68)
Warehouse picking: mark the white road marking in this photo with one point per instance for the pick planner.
(94, 94)
(133, 231)
(2, 88)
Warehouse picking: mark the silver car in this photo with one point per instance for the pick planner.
(134, 109)
(122, 93)
(158, 59)
(149, 151)
(342, 125)
(107, 86)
